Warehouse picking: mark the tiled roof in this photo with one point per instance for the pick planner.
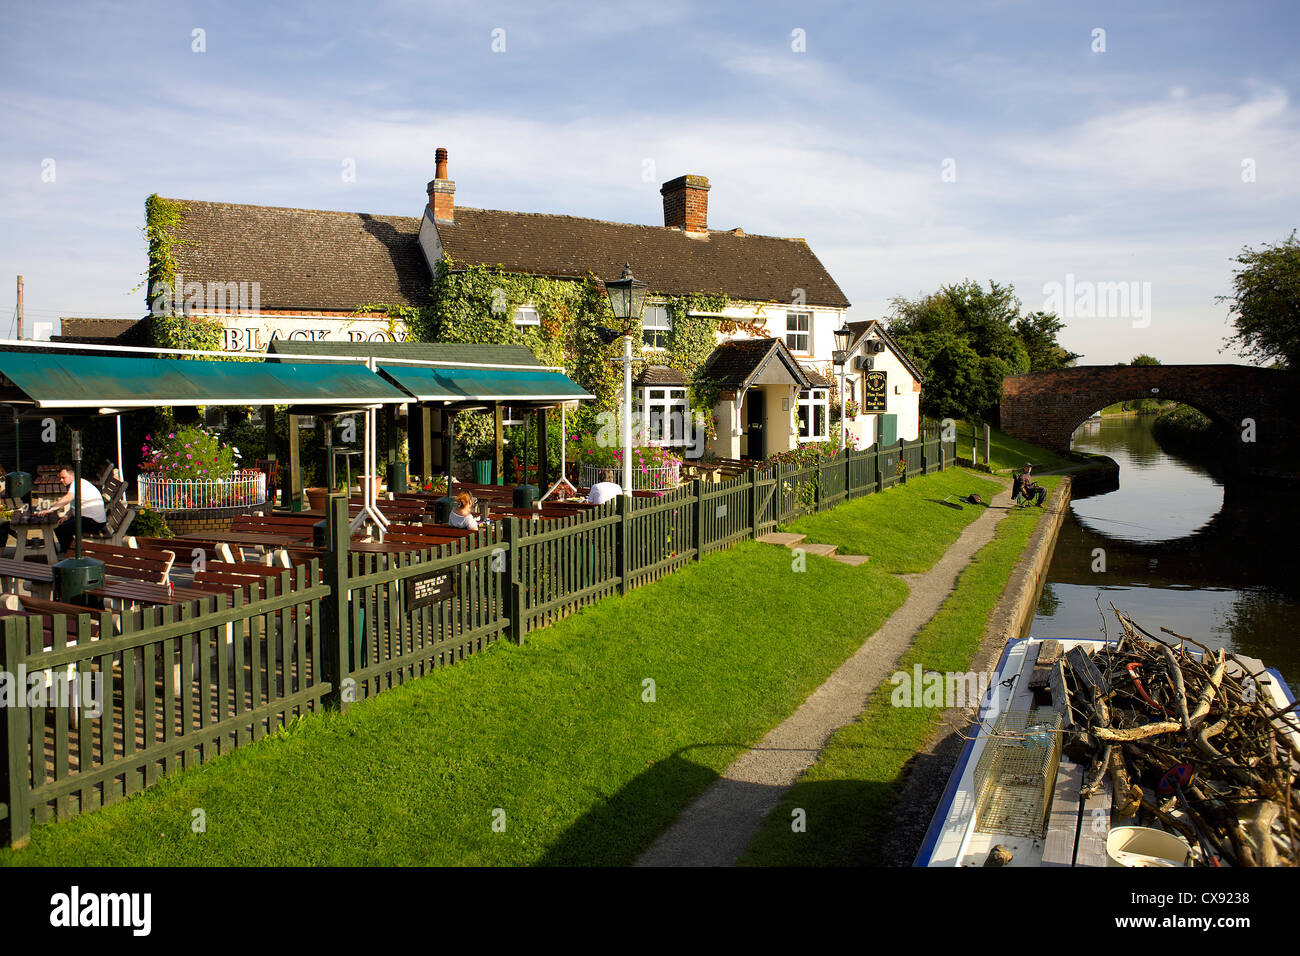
(755, 268)
(90, 330)
(815, 377)
(320, 260)
(733, 364)
(308, 259)
(660, 375)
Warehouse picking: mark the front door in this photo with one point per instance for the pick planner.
(755, 413)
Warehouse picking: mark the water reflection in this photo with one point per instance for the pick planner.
(1175, 554)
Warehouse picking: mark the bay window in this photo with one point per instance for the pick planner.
(814, 414)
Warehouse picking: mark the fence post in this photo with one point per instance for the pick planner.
(753, 502)
(880, 472)
(697, 531)
(624, 542)
(334, 606)
(14, 737)
(512, 596)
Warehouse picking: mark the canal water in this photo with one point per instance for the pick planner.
(1173, 547)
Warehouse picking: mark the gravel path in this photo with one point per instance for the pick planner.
(715, 829)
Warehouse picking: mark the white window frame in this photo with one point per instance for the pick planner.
(655, 333)
(796, 333)
(530, 316)
(810, 400)
(670, 399)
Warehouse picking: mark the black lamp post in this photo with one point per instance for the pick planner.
(627, 300)
(843, 337)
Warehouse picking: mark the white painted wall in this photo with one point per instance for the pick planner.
(772, 315)
(904, 399)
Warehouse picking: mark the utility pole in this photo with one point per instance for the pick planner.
(20, 307)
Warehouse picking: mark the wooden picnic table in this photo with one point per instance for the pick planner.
(23, 524)
(12, 571)
(250, 538)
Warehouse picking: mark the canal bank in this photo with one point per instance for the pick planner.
(1010, 620)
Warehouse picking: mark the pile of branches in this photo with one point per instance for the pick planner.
(1190, 740)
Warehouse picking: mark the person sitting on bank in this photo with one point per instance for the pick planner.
(93, 517)
(1024, 487)
(603, 491)
(462, 516)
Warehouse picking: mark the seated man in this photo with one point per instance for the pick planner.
(603, 491)
(92, 510)
(1023, 487)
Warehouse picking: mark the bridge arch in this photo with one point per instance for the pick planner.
(1046, 407)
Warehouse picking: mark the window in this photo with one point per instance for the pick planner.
(814, 414)
(526, 315)
(798, 331)
(665, 413)
(655, 326)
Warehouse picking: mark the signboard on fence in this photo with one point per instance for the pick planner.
(429, 588)
(875, 392)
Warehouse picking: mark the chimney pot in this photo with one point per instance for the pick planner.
(442, 191)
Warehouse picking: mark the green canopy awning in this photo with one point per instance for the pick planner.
(507, 385)
(94, 382)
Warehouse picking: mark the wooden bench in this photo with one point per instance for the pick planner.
(119, 518)
(185, 546)
(136, 564)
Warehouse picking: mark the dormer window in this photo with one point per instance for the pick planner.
(525, 316)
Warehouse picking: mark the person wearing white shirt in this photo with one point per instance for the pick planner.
(93, 515)
(603, 491)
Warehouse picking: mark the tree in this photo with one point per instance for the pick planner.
(966, 339)
(1038, 331)
(1265, 304)
(1144, 359)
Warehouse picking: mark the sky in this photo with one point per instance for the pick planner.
(1063, 148)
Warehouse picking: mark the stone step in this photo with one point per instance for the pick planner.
(852, 560)
(784, 538)
(822, 550)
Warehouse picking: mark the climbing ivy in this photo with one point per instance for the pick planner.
(162, 217)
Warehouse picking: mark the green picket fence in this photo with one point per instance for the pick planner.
(181, 685)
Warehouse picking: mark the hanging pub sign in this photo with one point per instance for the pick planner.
(429, 588)
(874, 392)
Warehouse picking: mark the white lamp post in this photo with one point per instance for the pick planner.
(627, 300)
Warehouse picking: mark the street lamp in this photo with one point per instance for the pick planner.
(627, 301)
(843, 337)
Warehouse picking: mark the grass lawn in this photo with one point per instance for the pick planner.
(552, 739)
(849, 794)
(1009, 453)
(904, 530)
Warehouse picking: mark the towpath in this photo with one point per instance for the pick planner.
(715, 829)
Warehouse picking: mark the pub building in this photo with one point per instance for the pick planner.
(277, 278)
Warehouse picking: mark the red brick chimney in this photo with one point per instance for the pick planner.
(686, 203)
(442, 191)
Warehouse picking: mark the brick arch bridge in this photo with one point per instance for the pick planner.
(1046, 407)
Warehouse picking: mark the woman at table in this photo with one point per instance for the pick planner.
(462, 516)
(92, 510)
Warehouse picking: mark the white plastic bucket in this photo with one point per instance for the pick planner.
(1143, 846)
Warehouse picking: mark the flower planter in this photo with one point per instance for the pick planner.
(317, 498)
